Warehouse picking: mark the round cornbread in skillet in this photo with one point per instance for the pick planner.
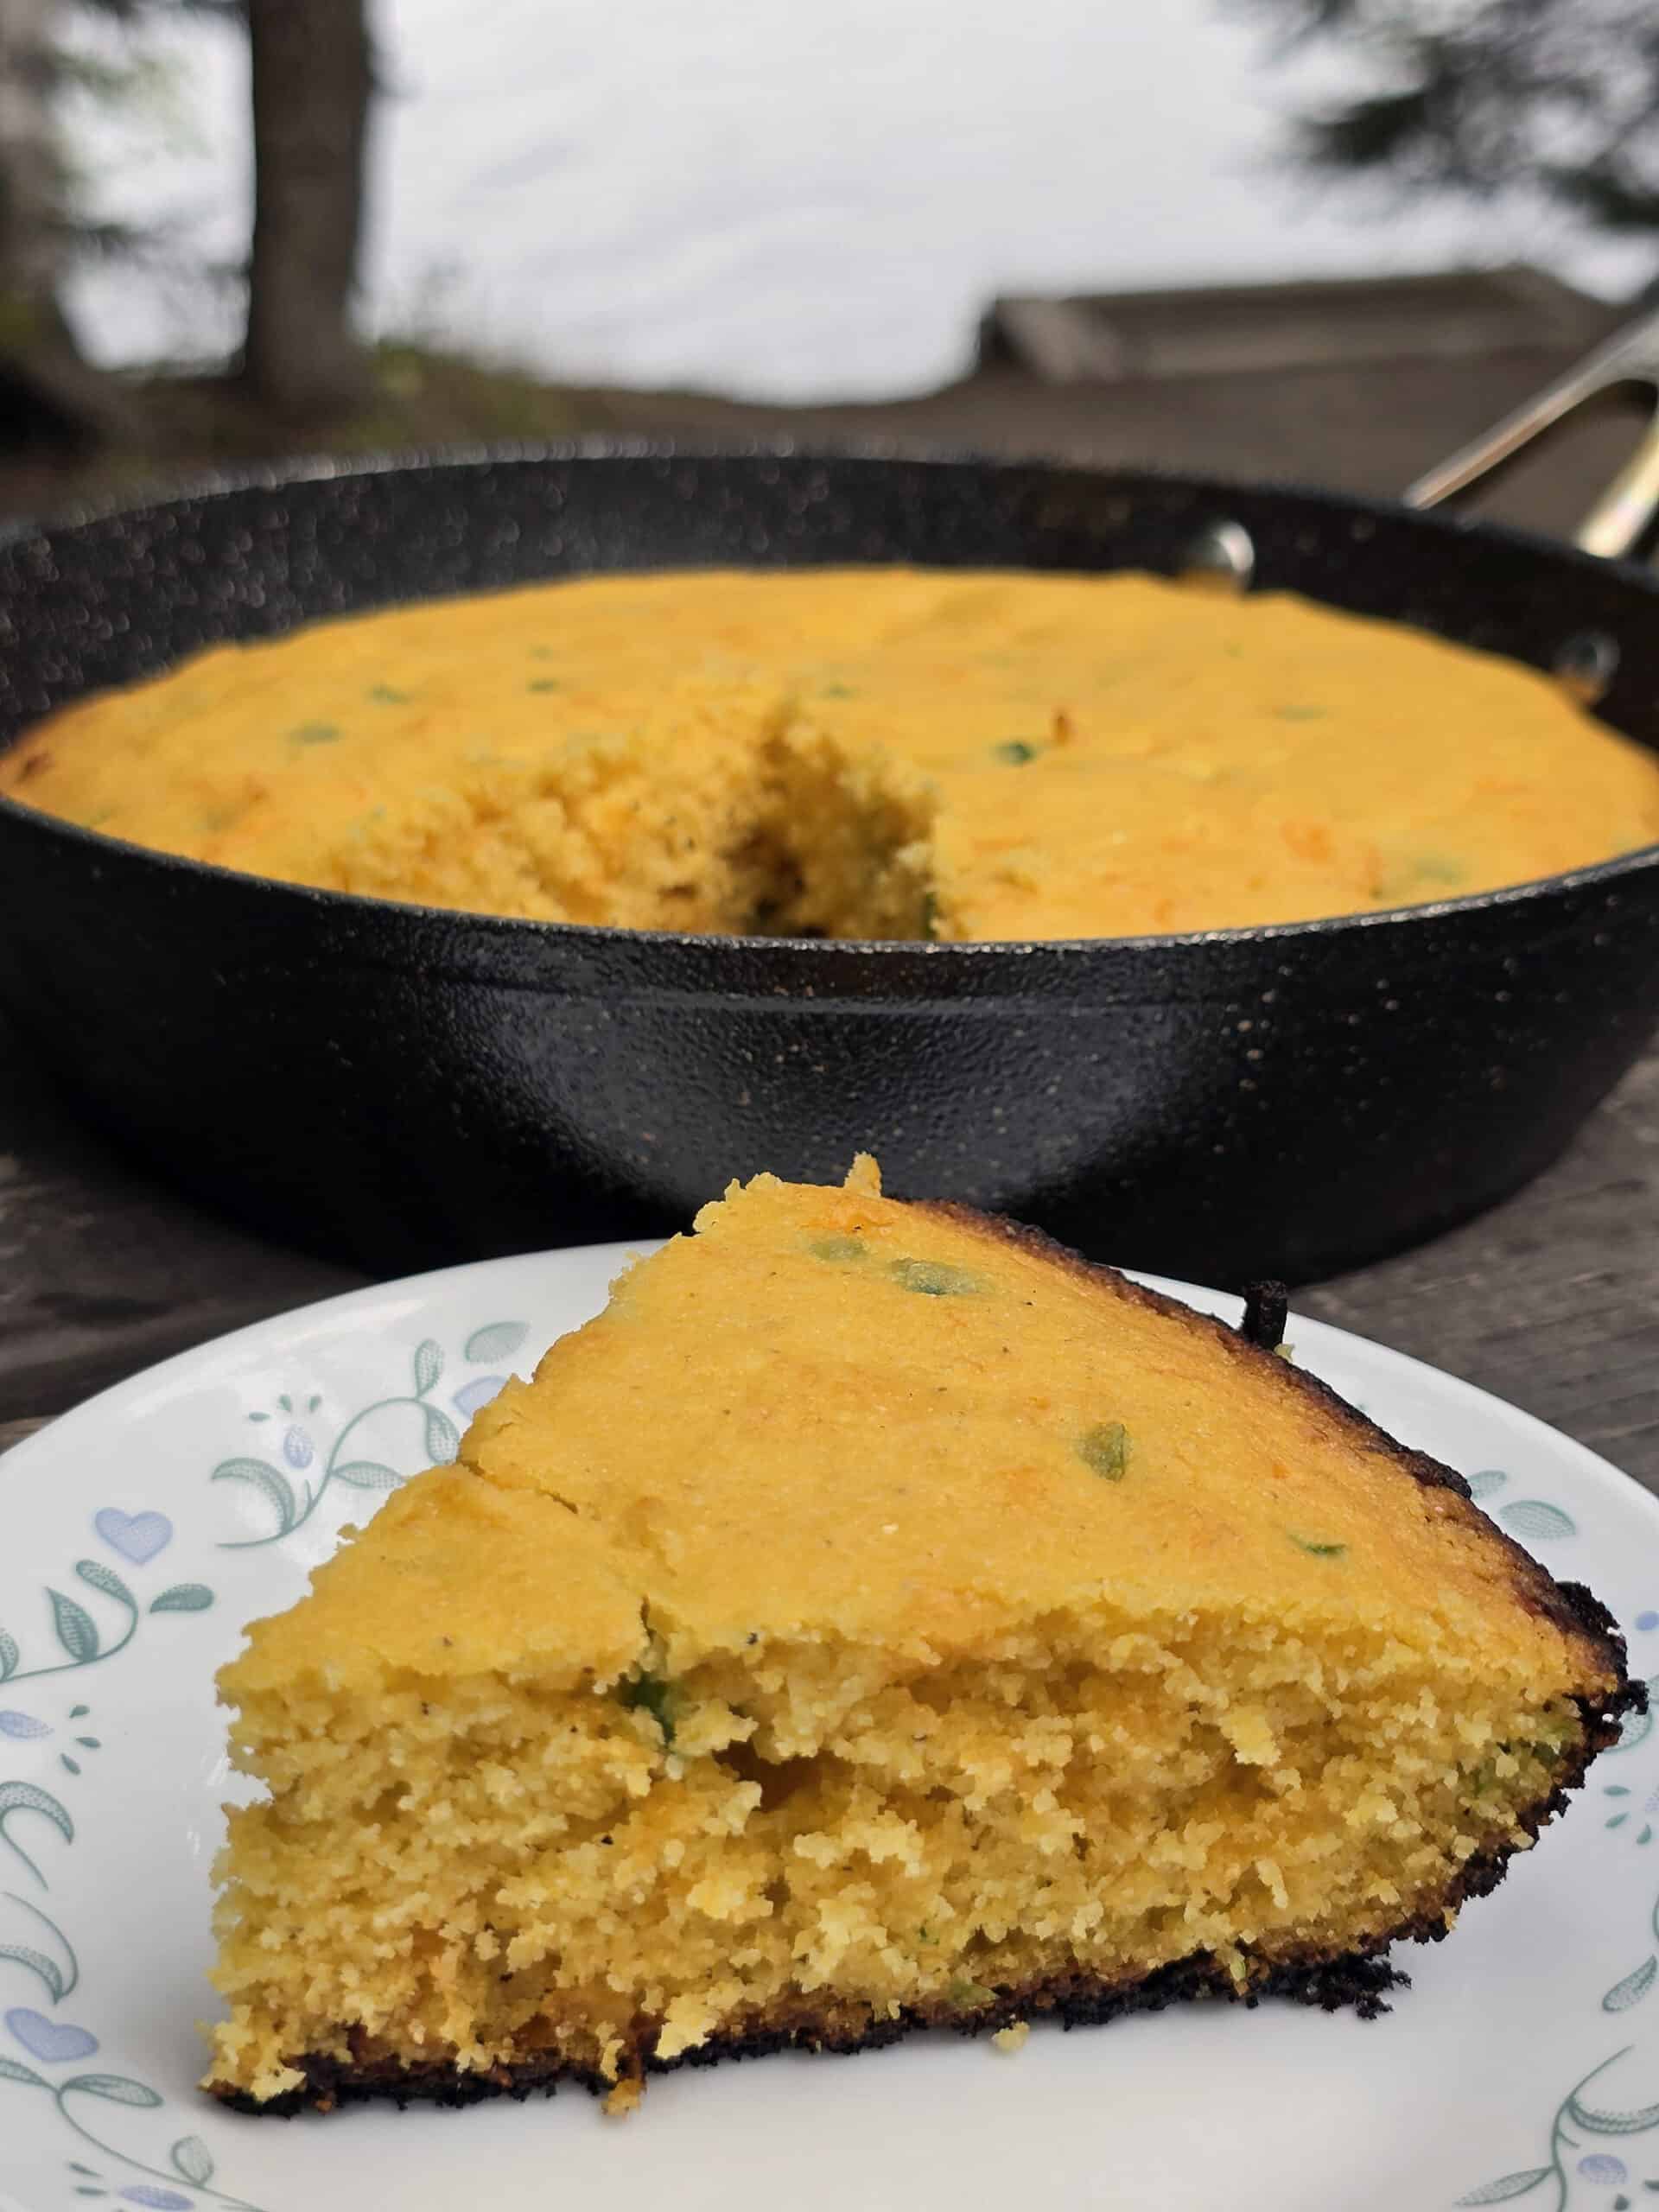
(858, 752)
(877, 1618)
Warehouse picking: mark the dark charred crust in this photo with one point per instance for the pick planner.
(1593, 1618)
(1266, 1306)
(331, 2083)
(1568, 1606)
(1359, 1980)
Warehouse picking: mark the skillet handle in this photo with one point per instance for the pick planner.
(1620, 517)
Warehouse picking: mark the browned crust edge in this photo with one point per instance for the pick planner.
(1360, 1980)
(1575, 1610)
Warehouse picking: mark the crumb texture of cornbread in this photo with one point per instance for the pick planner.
(858, 752)
(876, 1617)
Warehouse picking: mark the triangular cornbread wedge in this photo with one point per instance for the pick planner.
(877, 1617)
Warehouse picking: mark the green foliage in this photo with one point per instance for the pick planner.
(1488, 97)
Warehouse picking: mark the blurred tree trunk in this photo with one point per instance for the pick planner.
(313, 69)
(47, 391)
(30, 174)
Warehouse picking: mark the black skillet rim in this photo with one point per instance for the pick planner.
(321, 468)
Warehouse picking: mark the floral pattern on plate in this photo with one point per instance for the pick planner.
(140, 1532)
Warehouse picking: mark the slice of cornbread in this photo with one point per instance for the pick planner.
(876, 1618)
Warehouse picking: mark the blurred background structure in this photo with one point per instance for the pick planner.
(1318, 238)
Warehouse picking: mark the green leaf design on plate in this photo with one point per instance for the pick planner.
(442, 1436)
(1532, 1516)
(495, 1340)
(264, 1477)
(59, 1981)
(13, 2069)
(119, 2089)
(192, 2158)
(1634, 1987)
(428, 1365)
(1635, 1727)
(8, 1655)
(75, 1630)
(24, 1797)
(1485, 1481)
(1612, 2123)
(45, 1969)
(105, 1579)
(1499, 2192)
(183, 1598)
(367, 1474)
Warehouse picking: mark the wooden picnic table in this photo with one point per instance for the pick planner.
(1552, 1299)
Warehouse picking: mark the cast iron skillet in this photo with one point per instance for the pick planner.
(406, 1087)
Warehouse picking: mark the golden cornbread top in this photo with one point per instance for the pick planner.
(448, 1535)
(828, 1415)
(869, 752)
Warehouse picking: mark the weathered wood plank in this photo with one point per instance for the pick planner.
(103, 1268)
(1551, 1301)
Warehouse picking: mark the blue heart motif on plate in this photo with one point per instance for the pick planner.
(136, 1536)
(52, 2041)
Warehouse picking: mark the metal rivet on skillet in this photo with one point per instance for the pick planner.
(1221, 556)
(1586, 665)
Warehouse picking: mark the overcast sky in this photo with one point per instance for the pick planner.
(788, 198)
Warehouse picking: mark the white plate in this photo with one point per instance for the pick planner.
(138, 1534)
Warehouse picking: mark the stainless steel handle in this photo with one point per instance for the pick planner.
(1625, 509)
